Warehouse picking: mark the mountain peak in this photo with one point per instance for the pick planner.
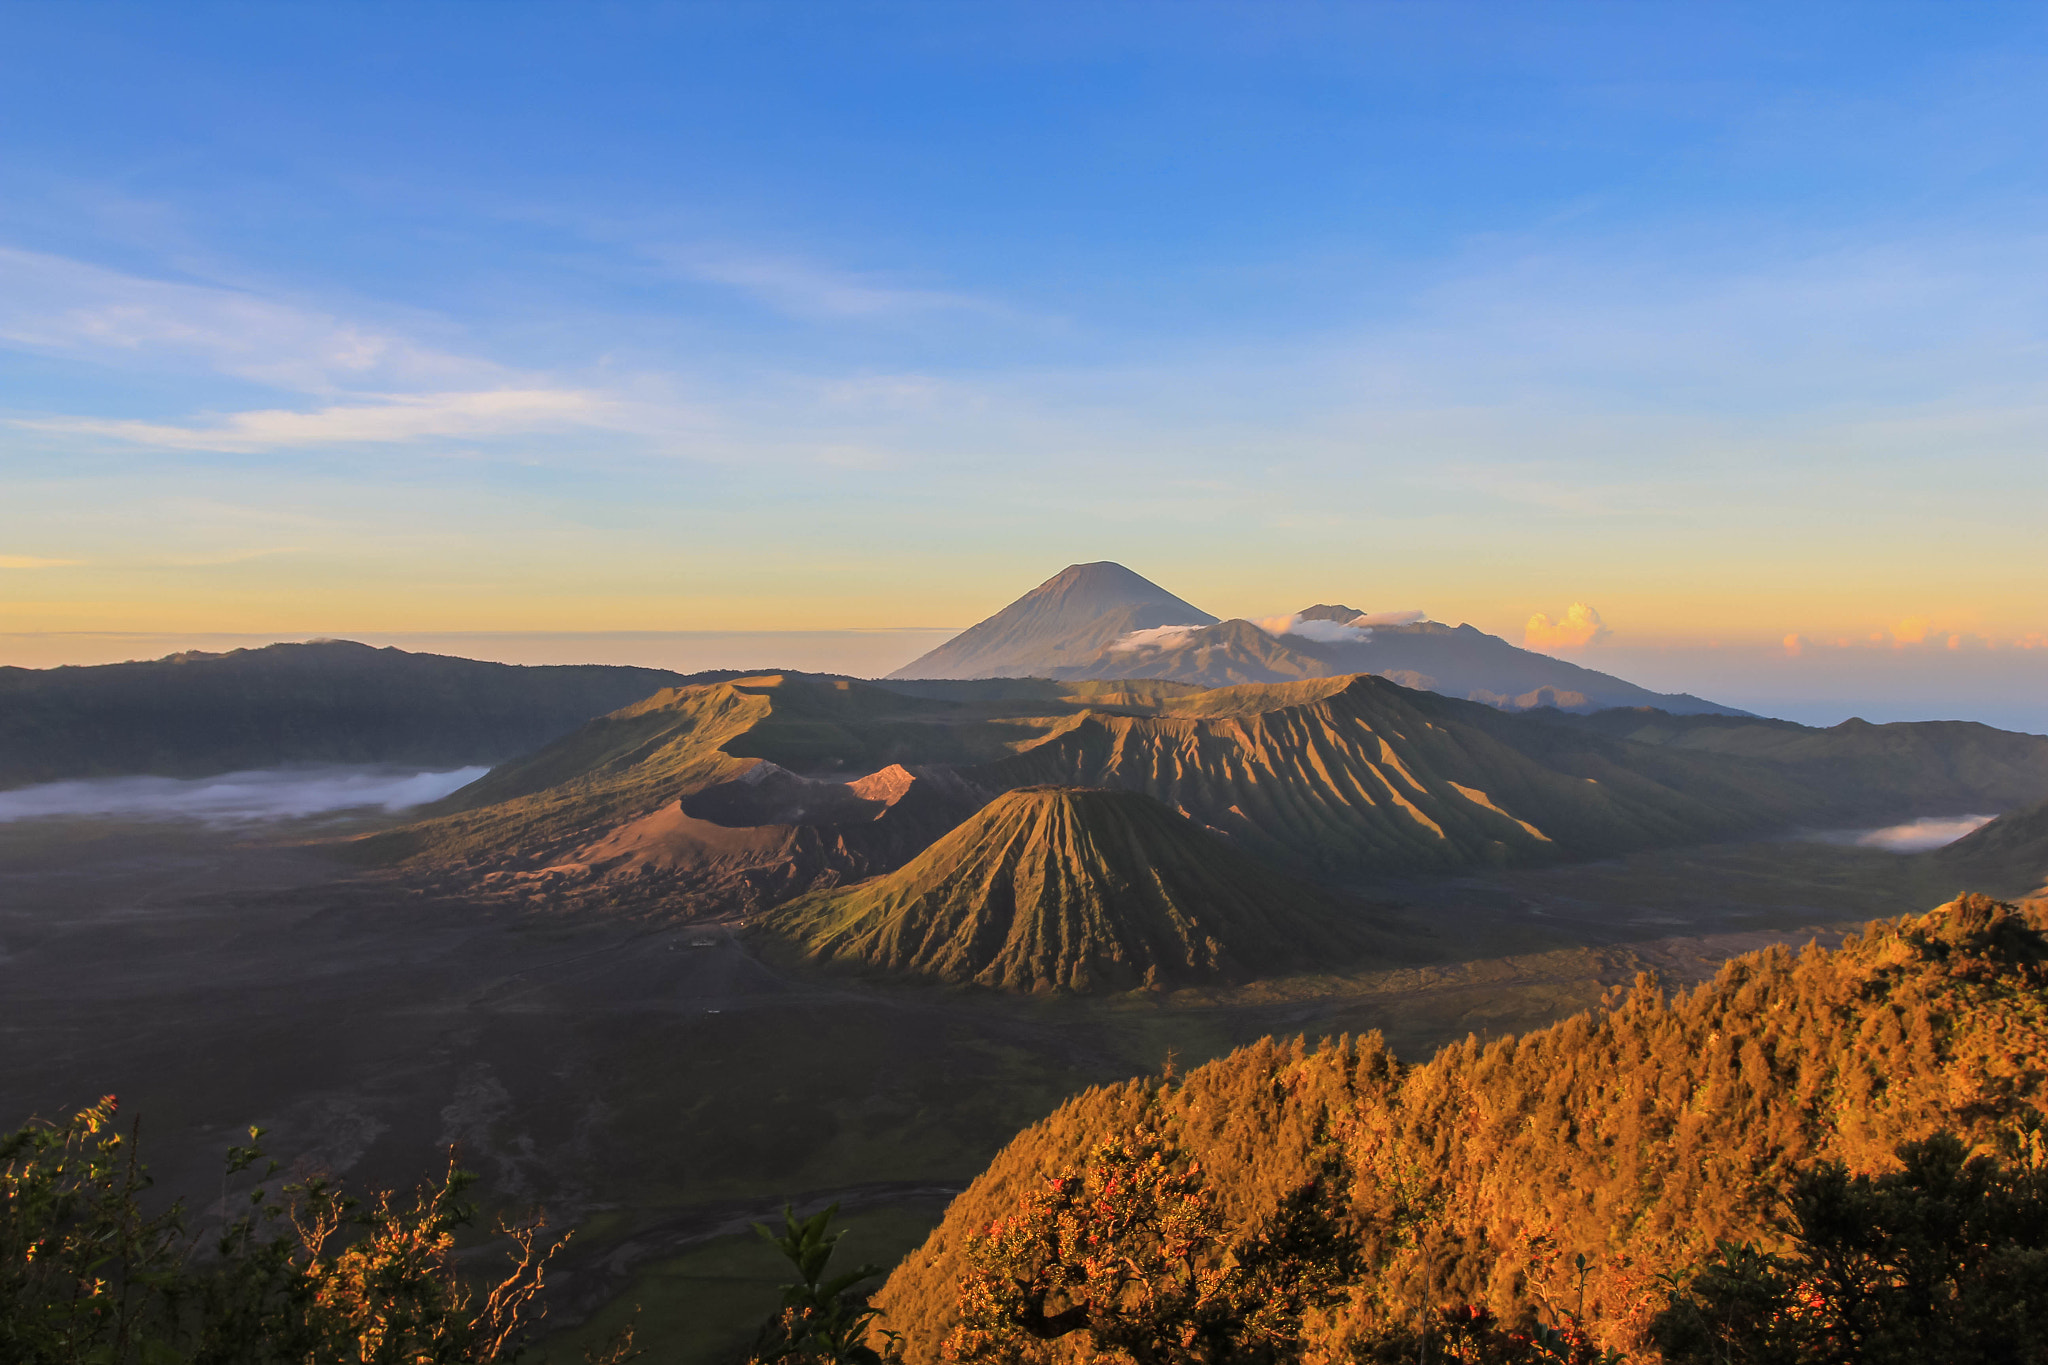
(1106, 585)
(1075, 615)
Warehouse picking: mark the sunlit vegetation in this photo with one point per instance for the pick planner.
(1944, 1258)
(1131, 1257)
(822, 1322)
(1665, 1169)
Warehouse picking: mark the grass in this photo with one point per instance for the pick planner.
(707, 1303)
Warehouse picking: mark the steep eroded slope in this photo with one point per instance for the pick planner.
(1086, 890)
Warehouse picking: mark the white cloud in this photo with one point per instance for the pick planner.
(1159, 637)
(1356, 631)
(1330, 632)
(1577, 628)
(54, 304)
(369, 385)
(390, 418)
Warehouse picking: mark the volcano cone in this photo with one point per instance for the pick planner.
(1079, 889)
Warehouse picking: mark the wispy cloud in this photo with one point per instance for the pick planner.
(221, 559)
(390, 418)
(237, 798)
(56, 305)
(1158, 637)
(365, 385)
(1530, 487)
(1913, 635)
(807, 290)
(34, 562)
(1321, 631)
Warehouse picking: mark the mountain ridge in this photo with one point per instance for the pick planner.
(329, 701)
(1324, 778)
(1101, 621)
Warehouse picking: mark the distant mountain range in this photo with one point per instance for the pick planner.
(1104, 621)
(742, 794)
(335, 701)
(331, 701)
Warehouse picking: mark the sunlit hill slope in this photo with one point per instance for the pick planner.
(1054, 887)
(1342, 775)
(738, 793)
(1633, 1137)
(688, 800)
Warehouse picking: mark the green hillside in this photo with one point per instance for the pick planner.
(2007, 857)
(1086, 890)
(1947, 766)
(1634, 1137)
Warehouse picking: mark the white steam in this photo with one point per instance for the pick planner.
(1329, 632)
(1159, 637)
(1356, 631)
(237, 798)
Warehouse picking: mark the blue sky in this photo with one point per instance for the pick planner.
(1726, 320)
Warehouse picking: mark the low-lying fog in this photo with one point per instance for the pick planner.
(302, 793)
(239, 798)
(1915, 836)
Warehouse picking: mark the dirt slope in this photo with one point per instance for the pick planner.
(1085, 890)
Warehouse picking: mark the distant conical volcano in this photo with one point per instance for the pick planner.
(1103, 621)
(1078, 889)
(1071, 619)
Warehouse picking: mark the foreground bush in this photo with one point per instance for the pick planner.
(1945, 1259)
(1130, 1254)
(306, 1275)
